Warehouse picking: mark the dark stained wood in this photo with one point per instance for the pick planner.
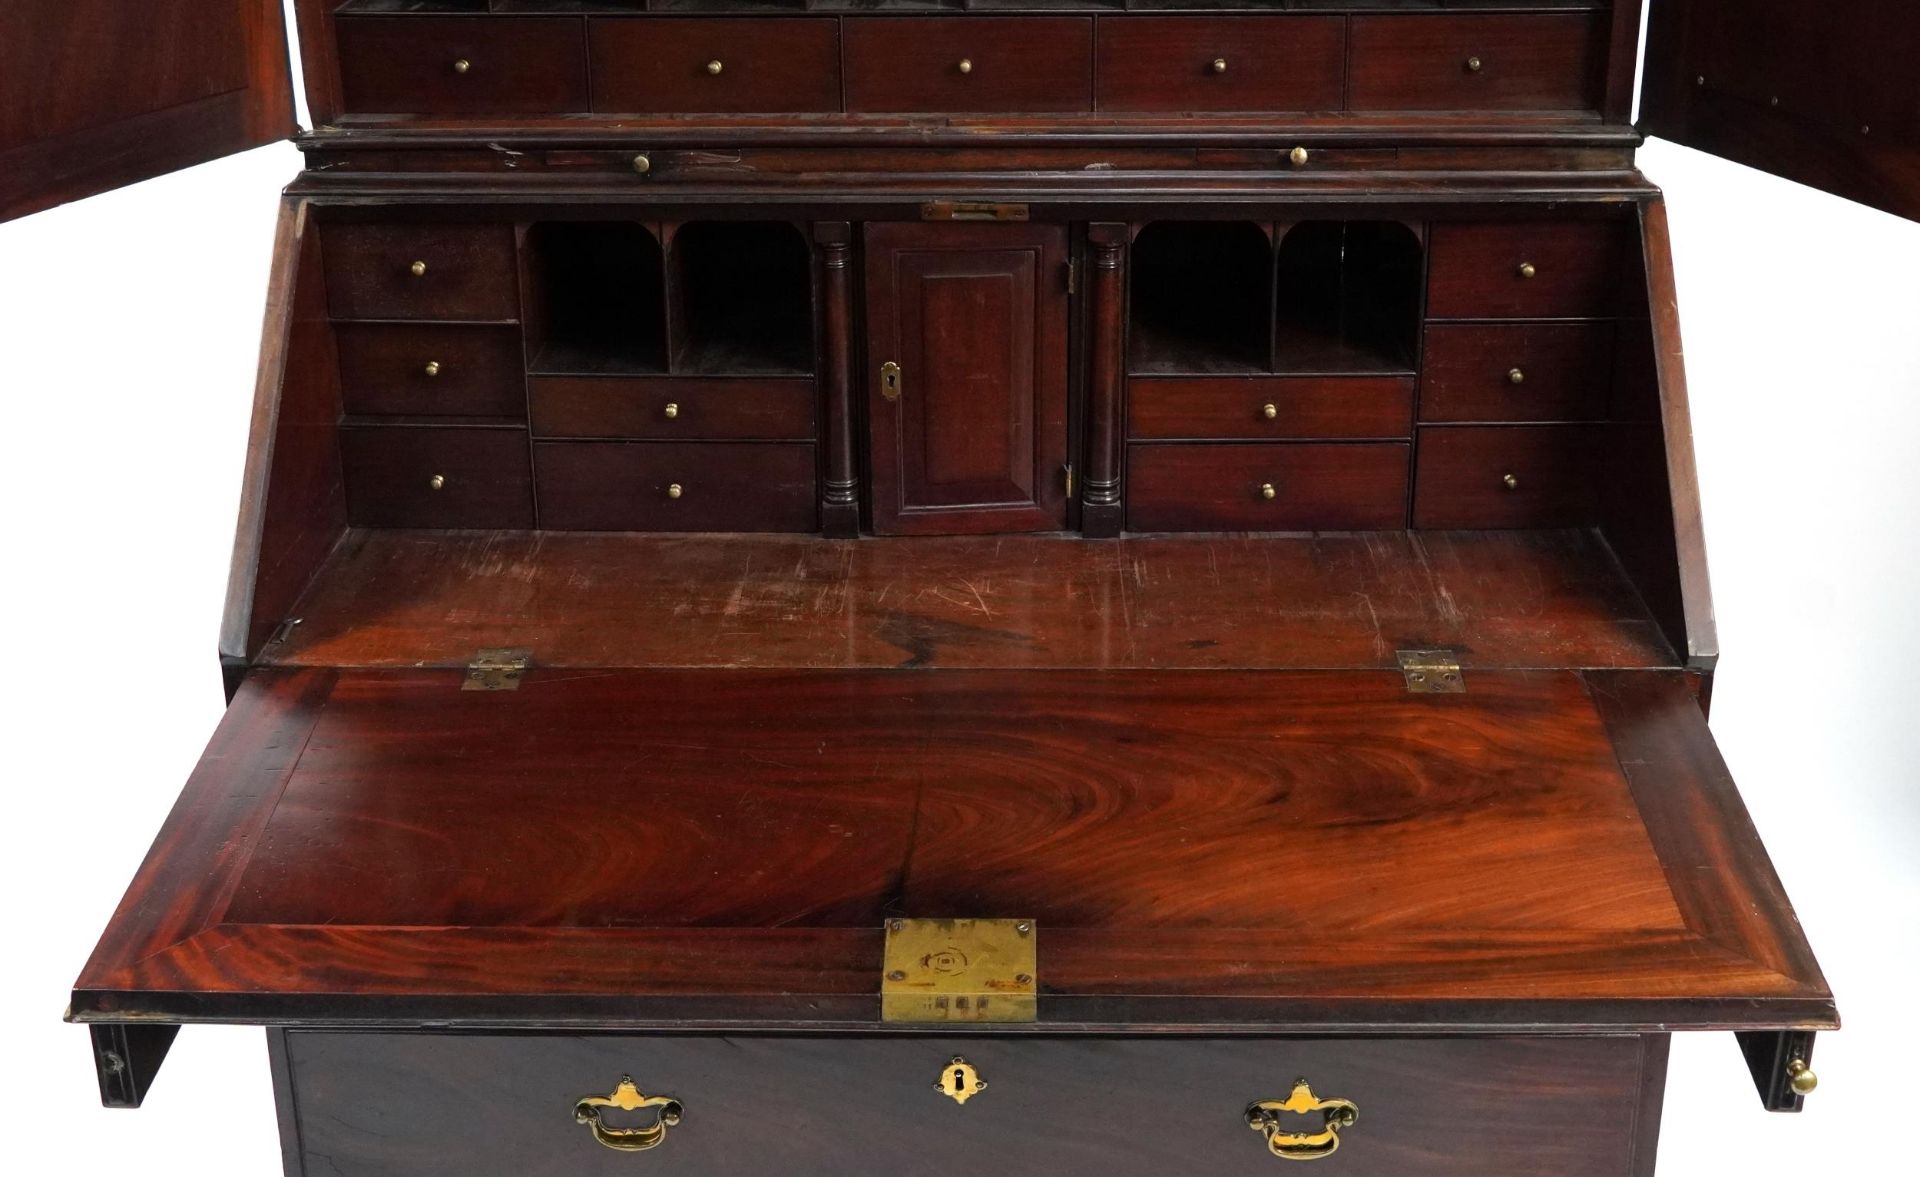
(127, 1058)
(1548, 61)
(431, 370)
(840, 483)
(96, 94)
(1578, 267)
(1102, 499)
(515, 65)
(1819, 94)
(767, 65)
(1316, 487)
(1328, 830)
(436, 476)
(628, 486)
(469, 274)
(711, 408)
(1271, 63)
(1513, 599)
(1053, 1105)
(904, 64)
(976, 318)
(1461, 478)
(1234, 408)
(1566, 372)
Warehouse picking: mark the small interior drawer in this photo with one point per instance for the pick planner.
(421, 271)
(969, 64)
(1289, 486)
(676, 486)
(1495, 62)
(436, 476)
(1268, 408)
(1526, 270)
(430, 370)
(459, 65)
(1237, 63)
(1517, 372)
(1473, 476)
(384, 1105)
(702, 408)
(707, 65)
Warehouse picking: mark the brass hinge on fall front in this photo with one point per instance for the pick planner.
(1432, 672)
(960, 971)
(497, 670)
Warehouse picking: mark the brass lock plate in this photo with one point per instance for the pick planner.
(960, 971)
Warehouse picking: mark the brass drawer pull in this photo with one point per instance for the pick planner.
(462, 66)
(1268, 492)
(1219, 65)
(671, 412)
(1517, 376)
(627, 1098)
(418, 269)
(1511, 482)
(1270, 411)
(1298, 157)
(675, 490)
(432, 368)
(715, 66)
(437, 482)
(965, 66)
(1475, 65)
(1528, 270)
(1265, 1117)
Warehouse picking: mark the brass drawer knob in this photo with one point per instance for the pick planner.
(437, 482)
(1219, 65)
(715, 66)
(1270, 1117)
(1268, 492)
(1528, 270)
(462, 66)
(432, 368)
(1298, 157)
(675, 491)
(672, 412)
(1270, 411)
(1475, 65)
(1801, 1077)
(642, 163)
(965, 66)
(418, 269)
(1516, 376)
(628, 1098)
(1511, 482)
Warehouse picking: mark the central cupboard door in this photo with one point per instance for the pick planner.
(967, 377)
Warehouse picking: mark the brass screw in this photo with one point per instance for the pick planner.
(1267, 491)
(896, 925)
(1219, 65)
(437, 482)
(418, 269)
(1023, 928)
(1024, 979)
(672, 411)
(432, 368)
(1527, 270)
(966, 65)
(714, 67)
(642, 164)
(1511, 482)
(462, 66)
(897, 975)
(675, 491)
(1475, 65)
(1801, 1077)
(1270, 412)
(1298, 157)
(1516, 376)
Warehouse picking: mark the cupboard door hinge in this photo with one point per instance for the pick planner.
(1432, 672)
(497, 670)
(1073, 275)
(1069, 471)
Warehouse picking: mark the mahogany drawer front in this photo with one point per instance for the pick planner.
(1243, 63)
(423, 1105)
(1495, 62)
(676, 486)
(436, 476)
(1348, 486)
(706, 408)
(969, 64)
(1505, 476)
(421, 271)
(1268, 408)
(431, 370)
(1517, 372)
(1526, 269)
(462, 65)
(715, 65)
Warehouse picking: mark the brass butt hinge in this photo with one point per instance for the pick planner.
(1432, 672)
(497, 670)
(960, 971)
(1069, 471)
(1073, 275)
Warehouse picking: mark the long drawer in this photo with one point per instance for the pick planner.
(422, 1105)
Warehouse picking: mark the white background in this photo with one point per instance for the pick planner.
(128, 338)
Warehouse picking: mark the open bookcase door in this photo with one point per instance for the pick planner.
(1324, 851)
(1822, 94)
(97, 94)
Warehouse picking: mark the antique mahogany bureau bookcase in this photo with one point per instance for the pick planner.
(919, 586)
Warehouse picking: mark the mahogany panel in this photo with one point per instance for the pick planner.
(676, 486)
(1529, 269)
(936, 65)
(1237, 409)
(665, 65)
(707, 408)
(1293, 486)
(1525, 599)
(1509, 476)
(1230, 63)
(1517, 372)
(431, 370)
(514, 65)
(1562, 1106)
(421, 270)
(437, 476)
(1463, 62)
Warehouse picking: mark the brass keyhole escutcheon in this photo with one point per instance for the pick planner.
(890, 380)
(959, 1082)
(628, 1098)
(1269, 1118)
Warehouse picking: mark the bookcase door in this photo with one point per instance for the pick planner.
(97, 94)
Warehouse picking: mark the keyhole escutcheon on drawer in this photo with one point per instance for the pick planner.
(959, 1081)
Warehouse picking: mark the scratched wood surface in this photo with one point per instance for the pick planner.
(1504, 599)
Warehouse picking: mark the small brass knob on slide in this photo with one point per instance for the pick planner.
(437, 482)
(642, 163)
(1511, 482)
(1219, 65)
(462, 66)
(1528, 270)
(965, 66)
(675, 491)
(1270, 411)
(672, 412)
(432, 368)
(714, 67)
(1517, 376)
(418, 269)
(1267, 492)
(1475, 65)
(1801, 1077)
(1298, 156)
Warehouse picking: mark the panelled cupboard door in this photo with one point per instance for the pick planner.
(1822, 94)
(96, 94)
(967, 377)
